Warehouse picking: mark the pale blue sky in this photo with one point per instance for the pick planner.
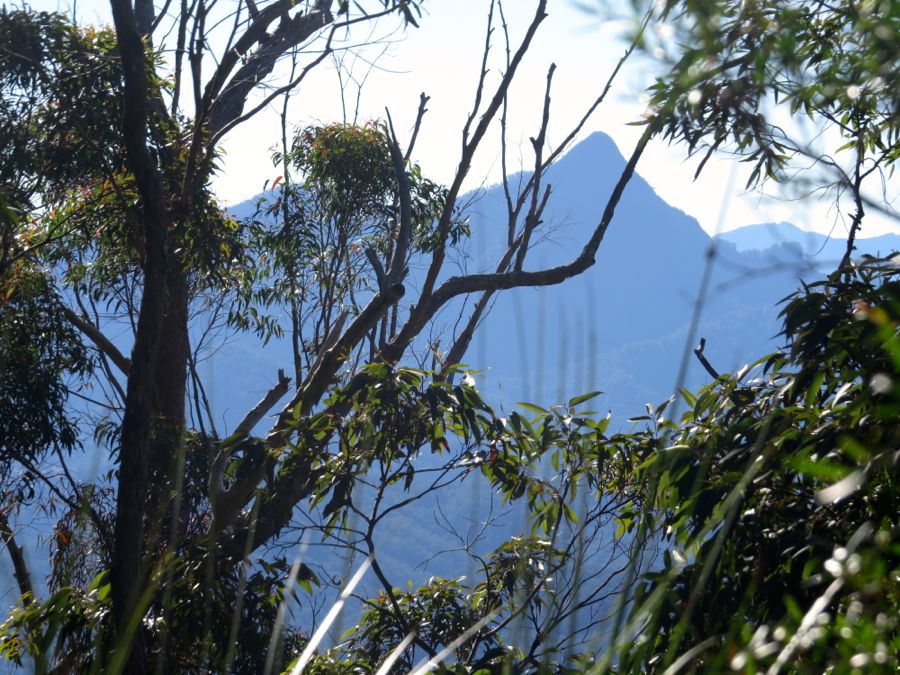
(442, 59)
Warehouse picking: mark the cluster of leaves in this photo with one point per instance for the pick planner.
(74, 622)
(70, 616)
(348, 171)
(439, 610)
(536, 577)
(62, 160)
(731, 62)
(777, 497)
(40, 355)
(348, 167)
(307, 246)
(236, 637)
(60, 102)
(395, 415)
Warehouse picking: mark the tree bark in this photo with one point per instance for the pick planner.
(128, 568)
(171, 370)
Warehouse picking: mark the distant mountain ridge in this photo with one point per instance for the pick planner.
(765, 236)
(622, 326)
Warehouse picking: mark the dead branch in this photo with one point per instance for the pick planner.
(252, 418)
(397, 270)
(470, 145)
(474, 283)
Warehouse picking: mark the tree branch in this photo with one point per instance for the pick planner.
(474, 283)
(397, 270)
(20, 567)
(302, 467)
(470, 145)
(330, 360)
(420, 114)
(380, 277)
(533, 219)
(698, 352)
(252, 418)
(857, 199)
(229, 104)
(227, 502)
(297, 476)
(102, 343)
(221, 106)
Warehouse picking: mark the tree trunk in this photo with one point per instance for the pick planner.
(128, 568)
(170, 388)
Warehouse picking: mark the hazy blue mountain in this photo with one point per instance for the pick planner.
(623, 327)
(767, 236)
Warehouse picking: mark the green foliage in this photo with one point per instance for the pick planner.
(733, 64)
(348, 167)
(60, 104)
(306, 247)
(541, 463)
(350, 177)
(40, 355)
(395, 417)
(439, 610)
(70, 618)
(774, 495)
(779, 506)
(73, 623)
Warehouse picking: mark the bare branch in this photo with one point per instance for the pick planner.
(144, 13)
(473, 283)
(420, 114)
(99, 339)
(292, 83)
(470, 145)
(380, 276)
(462, 342)
(397, 269)
(252, 418)
(698, 352)
(225, 105)
(860, 212)
(533, 219)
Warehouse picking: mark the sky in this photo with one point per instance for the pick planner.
(442, 59)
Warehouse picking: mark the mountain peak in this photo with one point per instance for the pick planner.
(598, 146)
